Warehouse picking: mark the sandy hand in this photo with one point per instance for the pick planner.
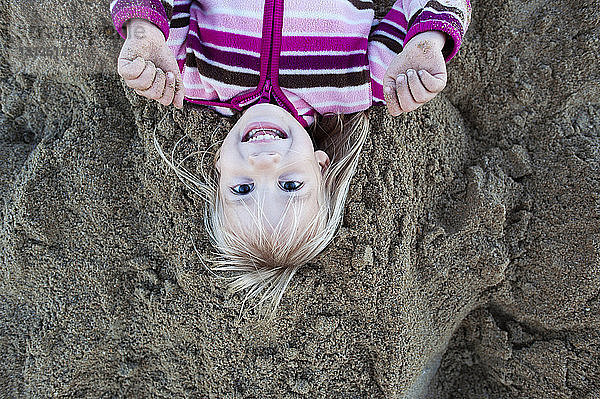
(148, 65)
(417, 74)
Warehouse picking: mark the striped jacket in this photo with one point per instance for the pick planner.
(306, 56)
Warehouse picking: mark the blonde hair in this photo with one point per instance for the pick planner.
(265, 266)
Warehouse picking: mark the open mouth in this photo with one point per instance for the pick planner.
(263, 133)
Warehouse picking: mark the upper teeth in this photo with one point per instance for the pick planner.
(266, 134)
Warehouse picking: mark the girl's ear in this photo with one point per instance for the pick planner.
(323, 160)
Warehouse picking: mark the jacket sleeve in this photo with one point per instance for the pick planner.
(156, 11)
(171, 17)
(406, 19)
(449, 16)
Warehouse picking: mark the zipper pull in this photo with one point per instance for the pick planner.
(265, 96)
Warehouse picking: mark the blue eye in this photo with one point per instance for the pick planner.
(290, 185)
(242, 189)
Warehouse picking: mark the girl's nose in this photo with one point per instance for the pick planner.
(264, 159)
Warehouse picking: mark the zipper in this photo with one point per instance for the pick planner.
(263, 97)
(276, 42)
(264, 94)
(270, 72)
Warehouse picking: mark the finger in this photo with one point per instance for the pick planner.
(131, 69)
(167, 97)
(407, 103)
(145, 80)
(389, 95)
(391, 100)
(418, 91)
(179, 91)
(433, 83)
(389, 80)
(158, 86)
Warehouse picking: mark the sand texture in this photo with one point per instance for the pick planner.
(471, 237)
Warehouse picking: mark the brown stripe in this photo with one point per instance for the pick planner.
(373, 29)
(293, 81)
(168, 9)
(362, 5)
(442, 8)
(393, 45)
(180, 22)
(412, 20)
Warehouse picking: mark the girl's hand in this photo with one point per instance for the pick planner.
(148, 65)
(417, 74)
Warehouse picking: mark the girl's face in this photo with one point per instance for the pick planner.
(267, 163)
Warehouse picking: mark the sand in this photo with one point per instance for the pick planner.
(471, 238)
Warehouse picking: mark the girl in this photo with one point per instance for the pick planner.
(273, 202)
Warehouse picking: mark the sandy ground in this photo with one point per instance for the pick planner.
(471, 238)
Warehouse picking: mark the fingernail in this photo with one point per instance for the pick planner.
(410, 72)
(421, 72)
(401, 78)
(388, 90)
